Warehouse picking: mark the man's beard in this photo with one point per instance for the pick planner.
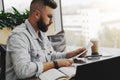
(42, 26)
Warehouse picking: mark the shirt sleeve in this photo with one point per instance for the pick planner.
(17, 47)
(58, 55)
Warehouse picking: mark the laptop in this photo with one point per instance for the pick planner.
(108, 69)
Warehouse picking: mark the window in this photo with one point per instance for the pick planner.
(87, 19)
(24, 4)
(20, 5)
(1, 4)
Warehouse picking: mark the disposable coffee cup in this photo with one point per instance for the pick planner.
(94, 48)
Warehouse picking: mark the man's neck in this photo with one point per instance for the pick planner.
(34, 27)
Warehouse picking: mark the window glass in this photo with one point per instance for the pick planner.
(87, 19)
(20, 5)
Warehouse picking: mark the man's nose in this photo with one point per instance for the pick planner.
(51, 21)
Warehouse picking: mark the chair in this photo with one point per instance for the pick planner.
(2, 61)
(58, 41)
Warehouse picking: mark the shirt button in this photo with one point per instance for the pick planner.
(49, 53)
(38, 55)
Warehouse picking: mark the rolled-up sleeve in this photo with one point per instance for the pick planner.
(18, 47)
(39, 68)
(58, 55)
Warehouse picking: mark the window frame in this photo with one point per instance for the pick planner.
(2, 5)
(57, 19)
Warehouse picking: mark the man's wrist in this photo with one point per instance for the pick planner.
(55, 64)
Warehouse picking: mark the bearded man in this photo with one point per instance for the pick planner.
(29, 52)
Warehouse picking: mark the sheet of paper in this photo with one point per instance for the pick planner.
(90, 44)
(52, 74)
(69, 71)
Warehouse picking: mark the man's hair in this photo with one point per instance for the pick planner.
(39, 4)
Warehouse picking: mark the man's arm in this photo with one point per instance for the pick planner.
(60, 63)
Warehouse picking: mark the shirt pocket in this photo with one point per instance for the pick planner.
(35, 55)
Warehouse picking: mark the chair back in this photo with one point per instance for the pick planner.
(2, 61)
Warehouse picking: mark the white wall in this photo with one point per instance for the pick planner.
(1, 7)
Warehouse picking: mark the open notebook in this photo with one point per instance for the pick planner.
(63, 73)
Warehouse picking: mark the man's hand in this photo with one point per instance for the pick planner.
(64, 62)
(82, 52)
(77, 52)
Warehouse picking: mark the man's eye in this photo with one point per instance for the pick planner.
(50, 16)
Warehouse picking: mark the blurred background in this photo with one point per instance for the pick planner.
(84, 20)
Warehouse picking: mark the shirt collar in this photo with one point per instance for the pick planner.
(31, 29)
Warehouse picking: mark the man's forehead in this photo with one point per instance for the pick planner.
(48, 9)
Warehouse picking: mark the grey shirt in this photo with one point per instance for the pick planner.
(26, 52)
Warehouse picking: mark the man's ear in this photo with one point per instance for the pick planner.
(37, 14)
